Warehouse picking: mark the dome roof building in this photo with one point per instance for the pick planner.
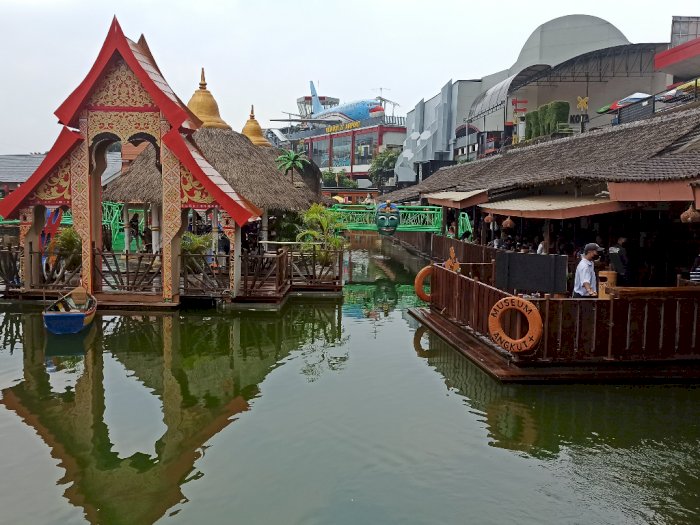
(204, 106)
(253, 131)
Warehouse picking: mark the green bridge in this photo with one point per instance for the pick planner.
(413, 218)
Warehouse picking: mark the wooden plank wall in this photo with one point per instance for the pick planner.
(660, 325)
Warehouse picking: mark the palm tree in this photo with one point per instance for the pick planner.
(291, 161)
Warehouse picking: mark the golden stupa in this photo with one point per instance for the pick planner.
(253, 131)
(203, 105)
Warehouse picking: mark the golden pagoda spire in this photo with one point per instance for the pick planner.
(253, 131)
(204, 106)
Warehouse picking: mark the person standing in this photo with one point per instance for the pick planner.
(585, 282)
(619, 260)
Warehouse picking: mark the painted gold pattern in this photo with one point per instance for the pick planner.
(26, 218)
(119, 86)
(55, 188)
(123, 124)
(80, 202)
(171, 211)
(192, 193)
(228, 225)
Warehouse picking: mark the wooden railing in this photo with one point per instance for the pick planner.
(54, 271)
(10, 260)
(128, 272)
(206, 275)
(484, 272)
(635, 324)
(264, 275)
(316, 269)
(466, 252)
(420, 241)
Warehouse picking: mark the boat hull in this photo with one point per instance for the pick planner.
(61, 323)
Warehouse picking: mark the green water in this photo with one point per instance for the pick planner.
(326, 413)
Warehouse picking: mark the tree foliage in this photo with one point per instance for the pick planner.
(321, 227)
(383, 165)
(290, 161)
(338, 179)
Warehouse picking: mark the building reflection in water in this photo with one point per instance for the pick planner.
(542, 420)
(203, 369)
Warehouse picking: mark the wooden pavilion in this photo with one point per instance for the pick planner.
(192, 161)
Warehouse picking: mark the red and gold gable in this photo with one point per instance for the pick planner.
(54, 189)
(192, 192)
(120, 88)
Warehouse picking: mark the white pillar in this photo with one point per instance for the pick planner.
(236, 249)
(155, 226)
(264, 227)
(127, 227)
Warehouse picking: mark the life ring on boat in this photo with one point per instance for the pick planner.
(417, 346)
(534, 320)
(418, 283)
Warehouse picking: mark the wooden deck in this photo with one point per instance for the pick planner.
(500, 366)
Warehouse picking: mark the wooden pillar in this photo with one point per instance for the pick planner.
(127, 227)
(547, 235)
(236, 249)
(82, 201)
(172, 223)
(155, 226)
(215, 233)
(264, 227)
(32, 221)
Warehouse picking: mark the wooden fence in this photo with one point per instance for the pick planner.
(128, 272)
(636, 324)
(265, 275)
(466, 252)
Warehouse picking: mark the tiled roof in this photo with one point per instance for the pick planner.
(626, 152)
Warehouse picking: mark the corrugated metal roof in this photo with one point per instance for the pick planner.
(18, 168)
(15, 169)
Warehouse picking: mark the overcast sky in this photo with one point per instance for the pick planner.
(264, 52)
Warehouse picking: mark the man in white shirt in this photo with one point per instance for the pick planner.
(585, 282)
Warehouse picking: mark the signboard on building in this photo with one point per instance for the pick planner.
(343, 127)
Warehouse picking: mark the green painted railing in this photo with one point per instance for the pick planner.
(413, 218)
(111, 217)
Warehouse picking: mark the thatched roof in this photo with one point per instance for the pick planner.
(654, 149)
(250, 170)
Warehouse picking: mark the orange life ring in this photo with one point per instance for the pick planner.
(417, 346)
(418, 283)
(534, 320)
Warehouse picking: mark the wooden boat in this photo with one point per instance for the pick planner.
(71, 313)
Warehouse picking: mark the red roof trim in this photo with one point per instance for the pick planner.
(116, 42)
(686, 50)
(237, 206)
(65, 142)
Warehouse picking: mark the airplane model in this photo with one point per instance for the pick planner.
(351, 111)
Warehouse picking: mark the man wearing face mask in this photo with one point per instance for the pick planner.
(585, 282)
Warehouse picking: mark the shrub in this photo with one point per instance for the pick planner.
(528, 124)
(558, 112)
(535, 124)
(545, 123)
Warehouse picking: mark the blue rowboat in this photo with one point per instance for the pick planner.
(71, 313)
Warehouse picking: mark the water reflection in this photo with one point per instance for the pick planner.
(601, 437)
(129, 407)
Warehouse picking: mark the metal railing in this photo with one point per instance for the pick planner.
(413, 218)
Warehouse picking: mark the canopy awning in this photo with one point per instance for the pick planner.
(457, 199)
(554, 207)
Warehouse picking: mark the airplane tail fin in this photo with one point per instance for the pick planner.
(315, 102)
